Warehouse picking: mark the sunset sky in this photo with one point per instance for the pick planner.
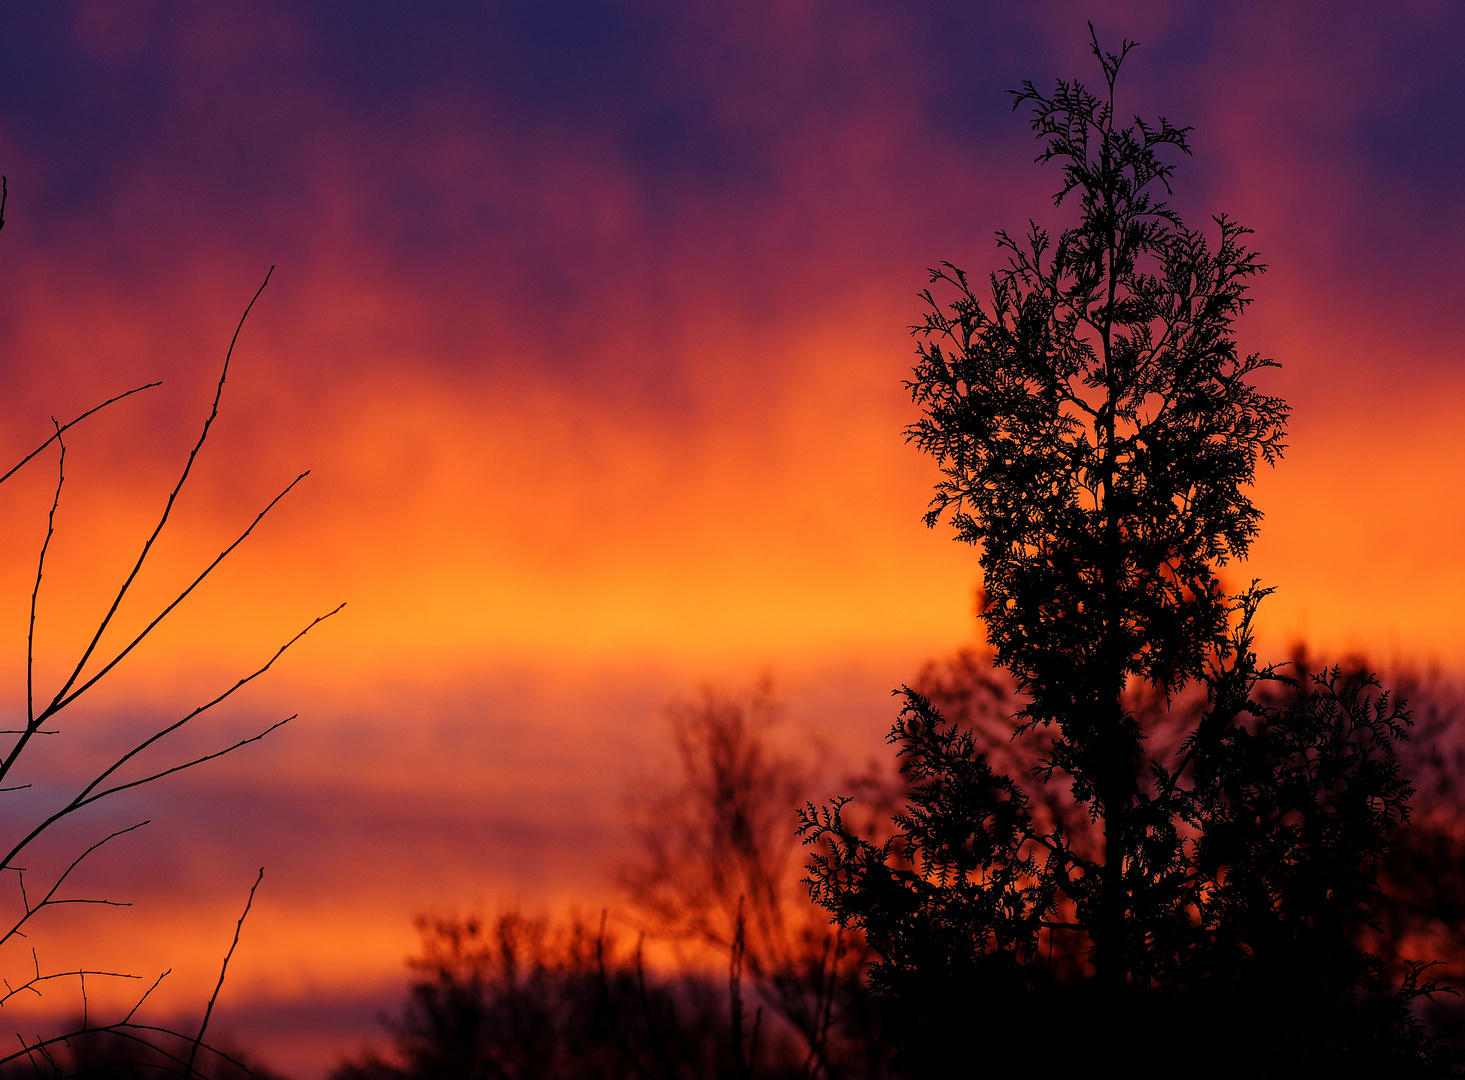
(590, 321)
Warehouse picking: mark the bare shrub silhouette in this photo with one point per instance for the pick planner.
(717, 866)
(715, 848)
(522, 996)
(749, 980)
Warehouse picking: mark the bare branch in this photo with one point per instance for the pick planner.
(82, 797)
(30, 634)
(133, 1011)
(160, 1048)
(187, 764)
(32, 982)
(86, 796)
(48, 899)
(60, 703)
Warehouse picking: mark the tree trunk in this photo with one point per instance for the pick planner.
(1112, 952)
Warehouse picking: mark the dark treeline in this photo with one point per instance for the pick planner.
(1414, 923)
(729, 970)
(715, 964)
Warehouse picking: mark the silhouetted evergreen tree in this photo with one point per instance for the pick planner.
(1206, 880)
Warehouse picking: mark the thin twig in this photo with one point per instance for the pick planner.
(188, 1071)
(61, 702)
(188, 764)
(131, 1012)
(72, 423)
(46, 1053)
(26, 1050)
(205, 1046)
(30, 634)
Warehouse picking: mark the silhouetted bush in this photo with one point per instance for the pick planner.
(523, 996)
(718, 867)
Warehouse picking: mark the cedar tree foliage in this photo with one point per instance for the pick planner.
(1098, 429)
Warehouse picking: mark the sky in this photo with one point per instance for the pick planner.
(590, 322)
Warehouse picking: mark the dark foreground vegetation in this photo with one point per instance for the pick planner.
(664, 985)
(133, 1055)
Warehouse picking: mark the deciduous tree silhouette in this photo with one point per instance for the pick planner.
(765, 989)
(715, 866)
(1097, 428)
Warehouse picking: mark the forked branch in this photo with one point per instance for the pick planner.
(61, 695)
(90, 794)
